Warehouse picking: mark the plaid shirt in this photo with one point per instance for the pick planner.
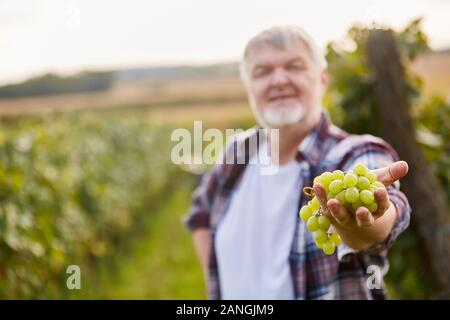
(346, 274)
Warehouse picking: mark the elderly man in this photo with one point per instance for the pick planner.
(245, 225)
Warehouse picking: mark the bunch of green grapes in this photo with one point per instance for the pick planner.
(353, 189)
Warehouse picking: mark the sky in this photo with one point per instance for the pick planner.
(67, 36)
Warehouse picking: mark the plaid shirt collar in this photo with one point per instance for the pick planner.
(312, 146)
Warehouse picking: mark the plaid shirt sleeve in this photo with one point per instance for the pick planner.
(376, 154)
(199, 213)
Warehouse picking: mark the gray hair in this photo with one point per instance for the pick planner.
(281, 37)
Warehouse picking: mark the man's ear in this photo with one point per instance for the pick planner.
(324, 78)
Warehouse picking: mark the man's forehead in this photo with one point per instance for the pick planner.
(268, 53)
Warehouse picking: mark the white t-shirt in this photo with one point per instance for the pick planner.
(254, 239)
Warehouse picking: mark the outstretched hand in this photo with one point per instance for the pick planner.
(341, 217)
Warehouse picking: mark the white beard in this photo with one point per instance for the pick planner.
(279, 117)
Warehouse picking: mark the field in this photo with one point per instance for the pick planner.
(434, 68)
(211, 97)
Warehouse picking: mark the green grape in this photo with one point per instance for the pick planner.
(338, 175)
(341, 197)
(312, 224)
(336, 186)
(350, 180)
(348, 206)
(356, 205)
(372, 207)
(335, 238)
(366, 196)
(314, 204)
(324, 223)
(351, 195)
(363, 183)
(319, 244)
(330, 195)
(328, 247)
(326, 178)
(360, 169)
(378, 185)
(305, 213)
(316, 180)
(320, 235)
(371, 176)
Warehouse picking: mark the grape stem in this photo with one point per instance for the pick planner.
(309, 191)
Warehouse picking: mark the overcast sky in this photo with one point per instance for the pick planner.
(69, 35)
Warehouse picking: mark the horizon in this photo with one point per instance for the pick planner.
(147, 66)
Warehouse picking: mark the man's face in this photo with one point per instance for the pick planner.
(285, 86)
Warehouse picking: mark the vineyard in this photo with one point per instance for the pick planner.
(73, 187)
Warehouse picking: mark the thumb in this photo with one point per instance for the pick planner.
(388, 175)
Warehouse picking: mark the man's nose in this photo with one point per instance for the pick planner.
(279, 77)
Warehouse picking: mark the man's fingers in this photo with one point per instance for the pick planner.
(339, 213)
(382, 200)
(388, 175)
(364, 218)
(321, 195)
